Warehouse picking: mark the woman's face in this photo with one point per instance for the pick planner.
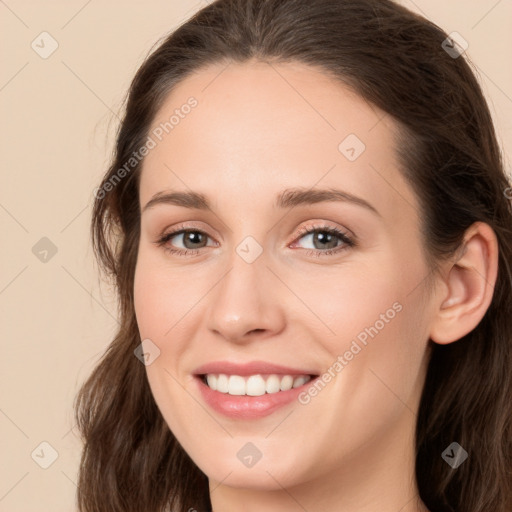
(266, 281)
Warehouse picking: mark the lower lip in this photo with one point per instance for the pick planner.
(248, 407)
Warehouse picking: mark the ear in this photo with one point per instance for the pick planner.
(469, 286)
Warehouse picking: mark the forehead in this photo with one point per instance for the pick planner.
(258, 127)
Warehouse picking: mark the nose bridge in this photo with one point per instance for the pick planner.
(244, 299)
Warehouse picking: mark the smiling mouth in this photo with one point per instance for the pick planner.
(254, 385)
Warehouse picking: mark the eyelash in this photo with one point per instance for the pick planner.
(348, 242)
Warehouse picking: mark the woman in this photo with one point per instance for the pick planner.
(257, 368)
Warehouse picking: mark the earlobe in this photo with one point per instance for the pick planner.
(470, 281)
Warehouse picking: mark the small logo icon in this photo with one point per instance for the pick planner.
(351, 147)
(44, 250)
(249, 249)
(44, 45)
(455, 45)
(249, 455)
(44, 455)
(147, 352)
(454, 455)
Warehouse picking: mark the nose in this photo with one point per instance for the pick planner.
(246, 304)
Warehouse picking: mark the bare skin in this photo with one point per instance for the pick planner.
(258, 129)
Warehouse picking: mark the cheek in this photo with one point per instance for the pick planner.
(162, 295)
(377, 323)
(160, 299)
(352, 301)
(380, 295)
(376, 357)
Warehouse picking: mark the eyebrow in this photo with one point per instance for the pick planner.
(288, 198)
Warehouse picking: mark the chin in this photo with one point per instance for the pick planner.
(265, 475)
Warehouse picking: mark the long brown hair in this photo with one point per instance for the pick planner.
(395, 60)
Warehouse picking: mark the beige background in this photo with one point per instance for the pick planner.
(58, 119)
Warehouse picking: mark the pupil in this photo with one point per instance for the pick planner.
(191, 235)
(324, 238)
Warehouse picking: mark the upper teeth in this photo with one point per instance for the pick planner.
(254, 385)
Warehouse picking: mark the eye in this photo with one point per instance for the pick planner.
(192, 239)
(326, 240)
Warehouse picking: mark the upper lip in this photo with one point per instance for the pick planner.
(249, 368)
